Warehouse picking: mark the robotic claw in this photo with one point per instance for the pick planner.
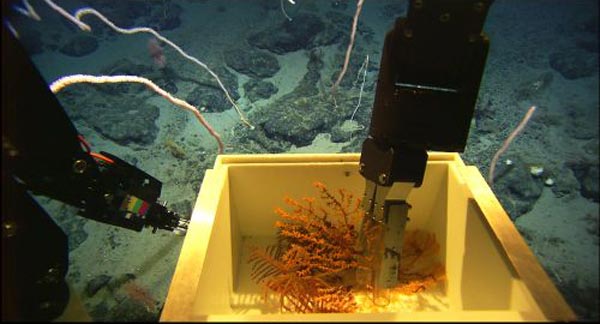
(429, 76)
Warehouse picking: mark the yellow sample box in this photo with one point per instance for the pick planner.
(490, 272)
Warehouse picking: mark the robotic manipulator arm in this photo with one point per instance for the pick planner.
(429, 76)
(42, 153)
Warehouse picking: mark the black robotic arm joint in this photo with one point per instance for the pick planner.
(429, 77)
(428, 83)
(394, 164)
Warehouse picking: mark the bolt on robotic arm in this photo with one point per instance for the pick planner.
(429, 76)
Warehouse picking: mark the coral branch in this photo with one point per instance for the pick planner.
(318, 250)
(65, 81)
(89, 11)
(76, 19)
(507, 142)
(317, 265)
(359, 5)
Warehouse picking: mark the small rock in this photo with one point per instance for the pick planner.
(344, 132)
(208, 98)
(258, 89)
(252, 62)
(587, 174)
(80, 46)
(574, 63)
(290, 36)
(96, 284)
(516, 188)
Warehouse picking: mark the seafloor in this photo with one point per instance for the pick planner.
(543, 53)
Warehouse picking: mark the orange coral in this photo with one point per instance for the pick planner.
(419, 267)
(317, 248)
(316, 264)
